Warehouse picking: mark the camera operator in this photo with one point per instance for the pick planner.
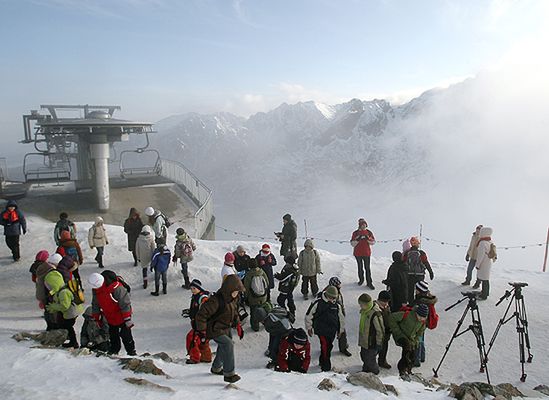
(288, 237)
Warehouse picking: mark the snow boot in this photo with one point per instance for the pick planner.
(371, 286)
(165, 289)
(187, 284)
(157, 289)
(70, 345)
(191, 361)
(477, 284)
(384, 364)
(216, 371)
(155, 294)
(271, 364)
(232, 378)
(465, 283)
(346, 352)
(145, 283)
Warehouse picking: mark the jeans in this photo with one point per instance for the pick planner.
(224, 356)
(289, 298)
(254, 317)
(305, 285)
(157, 276)
(185, 269)
(117, 332)
(12, 241)
(274, 345)
(363, 263)
(420, 352)
(99, 256)
(470, 268)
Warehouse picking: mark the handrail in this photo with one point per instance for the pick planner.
(198, 192)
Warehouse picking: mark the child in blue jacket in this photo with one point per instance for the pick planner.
(159, 264)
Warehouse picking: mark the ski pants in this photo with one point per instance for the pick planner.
(284, 298)
(305, 285)
(12, 241)
(117, 332)
(326, 346)
(369, 363)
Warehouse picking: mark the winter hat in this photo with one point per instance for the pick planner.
(42, 255)
(63, 215)
(334, 281)
(422, 286)
(98, 220)
(414, 241)
(406, 246)
(362, 221)
(180, 231)
(289, 259)
(298, 336)
(146, 229)
(266, 247)
(422, 310)
(229, 258)
(65, 235)
(384, 296)
(485, 232)
(240, 248)
(54, 258)
(195, 283)
(364, 298)
(149, 211)
(287, 217)
(252, 263)
(96, 280)
(331, 292)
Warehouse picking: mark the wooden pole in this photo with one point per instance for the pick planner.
(420, 235)
(546, 251)
(306, 233)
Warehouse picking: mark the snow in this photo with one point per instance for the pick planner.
(31, 373)
(327, 110)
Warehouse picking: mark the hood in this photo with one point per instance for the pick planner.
(485, 231)
(133, 212)
(11, 203)
(98, 220)
(397, 256)
(43, 270)
(146, 230)
(183, 237)
(309, 243)
(230, 284)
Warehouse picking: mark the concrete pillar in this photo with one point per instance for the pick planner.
(99, 153)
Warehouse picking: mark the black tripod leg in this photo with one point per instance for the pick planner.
(524, 319)
(481, 345)
(455, 335)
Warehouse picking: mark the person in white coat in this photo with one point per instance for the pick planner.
(486, 255)
(97, 238)
(144, 248)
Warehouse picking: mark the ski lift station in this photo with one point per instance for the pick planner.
(84, 163)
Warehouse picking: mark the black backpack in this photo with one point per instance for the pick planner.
(123, 283)
(165, 218)
(414, 263)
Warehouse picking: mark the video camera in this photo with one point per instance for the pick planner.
(278, 235)
(518, 284)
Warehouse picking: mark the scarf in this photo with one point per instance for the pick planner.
(485, 238)
(11, 216)
(364, 315)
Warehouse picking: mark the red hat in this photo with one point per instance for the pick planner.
(42, 255)
(229, 258)
(362, 221)
(65, 235)
(265, 247)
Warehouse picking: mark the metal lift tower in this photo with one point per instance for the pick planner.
(84, 141)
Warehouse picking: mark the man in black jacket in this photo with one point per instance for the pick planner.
(288, 237)
(14, 223)
(397, 281)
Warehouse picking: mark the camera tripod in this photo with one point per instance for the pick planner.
(475, 327)
(521, 320)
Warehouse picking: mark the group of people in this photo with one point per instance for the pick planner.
(404, 311)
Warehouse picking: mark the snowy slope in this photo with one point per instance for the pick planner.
(38, 374)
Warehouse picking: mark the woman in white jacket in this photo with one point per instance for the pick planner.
(486, 255)
(97, 238)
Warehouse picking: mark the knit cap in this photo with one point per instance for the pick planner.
(195, 283)
(298, 336)
(42, 255)
(422, 310)
(55, 258)
(422, 286)
(229, 258)
(331, 292)
(384, 296)
(364, 298)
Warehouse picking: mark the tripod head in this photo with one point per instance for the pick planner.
(472, 296)
(517, 289)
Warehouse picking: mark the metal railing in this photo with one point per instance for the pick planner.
(199, 193)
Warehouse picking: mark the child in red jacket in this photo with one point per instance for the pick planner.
(294, 353)
(198, 348)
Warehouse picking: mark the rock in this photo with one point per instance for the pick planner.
(466, 391)
(141, 366)
(542, 389)
(327, 384)
(148, 384)
(500, 397)
(418, 378)
(83, 351)
(507, 391)
(367, 380)
(391, 389)
(53, 338)
(163, 356)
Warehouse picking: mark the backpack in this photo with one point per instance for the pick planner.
(77, 291)
(123, 283)
(492, 254)
(166, 220)
(72, 252)
(414, 264)
(432, 319)
(372, 337)
(258, 286)
(277, 321)
(65, 225)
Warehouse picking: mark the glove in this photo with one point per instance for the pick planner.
(310, 332)
(431, 275)
(467, 258)
(239, 331)
(185, 313)
(51, 308)
(129, 323)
